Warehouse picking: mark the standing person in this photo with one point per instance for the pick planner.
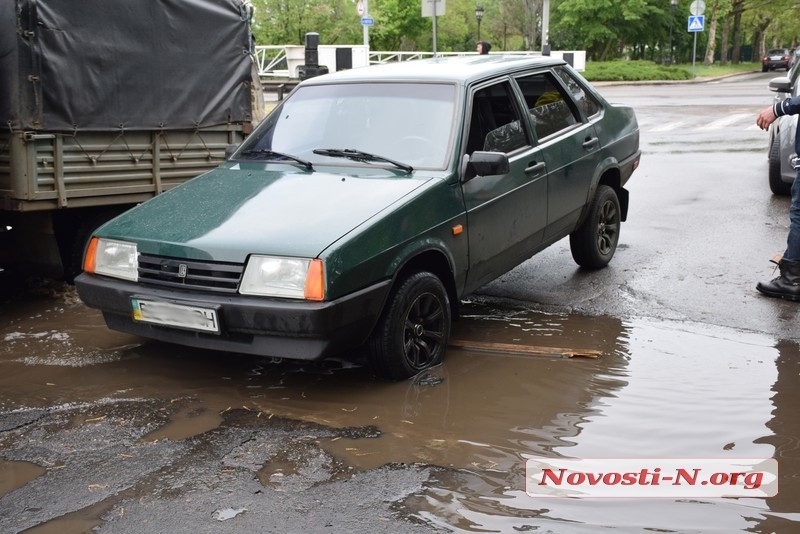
(787, 284)
(483, 47)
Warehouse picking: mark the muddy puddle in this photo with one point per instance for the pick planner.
(657, 390)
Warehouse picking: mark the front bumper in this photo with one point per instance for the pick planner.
(251, 325)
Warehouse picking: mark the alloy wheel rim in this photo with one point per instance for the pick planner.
(607, 228)
(423, 332)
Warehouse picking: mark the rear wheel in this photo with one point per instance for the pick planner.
(414, 329)
(776, 183)
(594, 242)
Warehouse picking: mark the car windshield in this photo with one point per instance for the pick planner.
(410, 123)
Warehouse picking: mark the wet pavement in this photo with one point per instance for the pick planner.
(105, 432)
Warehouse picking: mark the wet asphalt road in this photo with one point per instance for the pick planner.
(105, 432)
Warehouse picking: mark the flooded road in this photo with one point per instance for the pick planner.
(230, 434)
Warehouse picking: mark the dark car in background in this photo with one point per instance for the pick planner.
(795, 55)
(366, 205)
(777, 58)
(781, 153)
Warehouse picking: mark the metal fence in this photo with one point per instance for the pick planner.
(273, 61)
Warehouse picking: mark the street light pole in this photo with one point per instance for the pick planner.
(673, 5)
(545, 27)
(478, 17)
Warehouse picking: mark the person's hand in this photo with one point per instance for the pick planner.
(765, 118)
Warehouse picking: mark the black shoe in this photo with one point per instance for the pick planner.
(787, 285)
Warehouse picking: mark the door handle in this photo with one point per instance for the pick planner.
(535, 168)
(590, 143)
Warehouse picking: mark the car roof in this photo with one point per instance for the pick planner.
(459, 69)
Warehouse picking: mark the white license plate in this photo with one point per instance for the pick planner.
(179, 315)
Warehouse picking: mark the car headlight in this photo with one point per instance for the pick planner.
(108, 257)
(296, 278)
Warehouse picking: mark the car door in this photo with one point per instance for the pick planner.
(506, 214)
(570, 147)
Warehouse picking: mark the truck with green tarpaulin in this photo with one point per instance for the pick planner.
(105, 104)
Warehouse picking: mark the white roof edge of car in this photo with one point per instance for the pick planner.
(449, 68)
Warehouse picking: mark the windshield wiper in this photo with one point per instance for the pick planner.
(358, 155)
(279, 155)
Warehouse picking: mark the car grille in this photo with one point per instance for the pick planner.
(190, 274)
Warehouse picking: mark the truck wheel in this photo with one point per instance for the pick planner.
(414, 329)
(594, 242)
(776, 183)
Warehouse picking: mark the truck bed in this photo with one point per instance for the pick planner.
(41, 171)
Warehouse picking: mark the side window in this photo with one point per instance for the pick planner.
(547, 104)
(585, 100)
(495, 124)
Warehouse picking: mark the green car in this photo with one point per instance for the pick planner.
(365, 206)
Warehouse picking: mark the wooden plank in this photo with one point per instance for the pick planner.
(488, 346)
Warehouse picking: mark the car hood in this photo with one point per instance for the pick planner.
(236, 210)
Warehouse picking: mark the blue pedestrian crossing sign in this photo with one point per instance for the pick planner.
(696, 23)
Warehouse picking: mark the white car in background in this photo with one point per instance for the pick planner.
(781, 153)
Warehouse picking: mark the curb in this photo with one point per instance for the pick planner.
(696, 80)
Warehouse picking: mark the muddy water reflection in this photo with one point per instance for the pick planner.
(14, 475)
(658, 390)
(672, 391)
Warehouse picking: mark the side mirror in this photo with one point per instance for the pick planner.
(489, 163)
(229, 150)
(781, 84)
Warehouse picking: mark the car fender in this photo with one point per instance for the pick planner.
(434, 255)
(430, 255)
(607, 172)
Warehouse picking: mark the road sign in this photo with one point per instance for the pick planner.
(696, 23)
(367, 21)
(697, 7)
(428, 8)
(360, 8)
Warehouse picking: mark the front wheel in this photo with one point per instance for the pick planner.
(594, 242)
(776, 183)
(414, 329)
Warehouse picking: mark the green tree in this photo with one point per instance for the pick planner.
(606, 29)
(399, 25)
(717, 10)
(279, 22)
(603, 27)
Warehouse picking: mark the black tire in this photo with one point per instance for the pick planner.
(776, 183)
(594, 242)
(414, 329)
